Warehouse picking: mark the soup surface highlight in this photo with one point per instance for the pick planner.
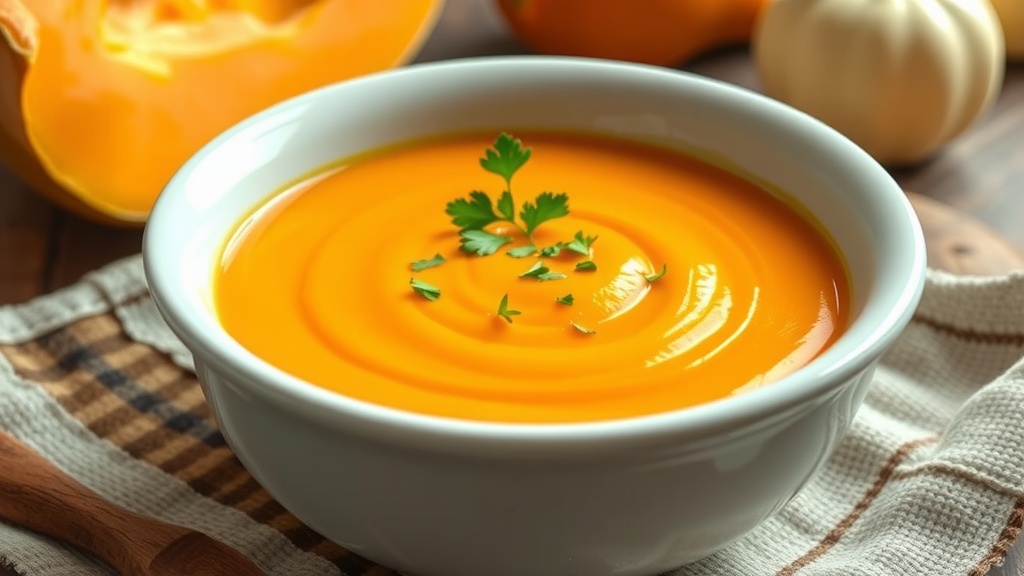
(319, 282)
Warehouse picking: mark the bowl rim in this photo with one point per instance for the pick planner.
(753, 409)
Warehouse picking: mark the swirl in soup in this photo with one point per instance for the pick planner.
(692, 284)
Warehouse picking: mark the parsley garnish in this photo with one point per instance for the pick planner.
(481, 242)
(552, 251)
(536, 270)
(542, 273)
(582, 329)
(418, 265)
(551, 276)
(522, 251)
(505, 312)
(504, 158)
(474, 213)
(428, 291)
(658, 276)
(546, 207)
(580, 244)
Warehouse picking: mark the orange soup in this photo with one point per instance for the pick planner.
(669, 283)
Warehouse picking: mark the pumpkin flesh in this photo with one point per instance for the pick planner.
(118, 94)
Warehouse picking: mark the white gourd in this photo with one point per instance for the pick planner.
(898, 77)
(1011, 16)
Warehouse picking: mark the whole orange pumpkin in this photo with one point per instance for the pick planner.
(662, 32)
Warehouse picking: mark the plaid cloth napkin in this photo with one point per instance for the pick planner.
(929, 481)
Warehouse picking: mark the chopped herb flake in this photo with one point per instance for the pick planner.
(418, 265)
(522, 251)
(547, 276)
(504, 311)
(580, 244)
(552, 251)
(427, 290)
(536, 270)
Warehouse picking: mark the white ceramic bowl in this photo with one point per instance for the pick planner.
(438, 497)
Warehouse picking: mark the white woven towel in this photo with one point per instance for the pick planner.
(929, 481)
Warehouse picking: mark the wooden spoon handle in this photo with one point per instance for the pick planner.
(36, 494)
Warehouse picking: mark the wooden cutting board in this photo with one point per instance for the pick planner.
(960, 244)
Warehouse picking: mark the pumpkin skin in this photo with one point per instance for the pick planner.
(661, 32)
(102, 100)
(898, 78)
(1011, 16)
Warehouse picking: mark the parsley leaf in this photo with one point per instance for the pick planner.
(472, 214)
(581, 244)
(544, 208)
(428, 291)
(552, 251)
(418, 265)
(506, 206)
(542, 273)
(658, 276)
(522, 251)
(505, 312)
(550, 276)
(481, 242)
(505, 157)
(582, 329)
(536, 270)
(475, 213)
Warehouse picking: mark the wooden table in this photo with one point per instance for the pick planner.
(980, 176)
(970, 197)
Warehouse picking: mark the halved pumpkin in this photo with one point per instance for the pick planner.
(102, 100)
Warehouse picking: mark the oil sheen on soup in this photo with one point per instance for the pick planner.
(669, 282)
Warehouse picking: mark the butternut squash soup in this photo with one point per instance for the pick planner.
(547, 277)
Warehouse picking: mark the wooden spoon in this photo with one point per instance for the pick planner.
(37, 495)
